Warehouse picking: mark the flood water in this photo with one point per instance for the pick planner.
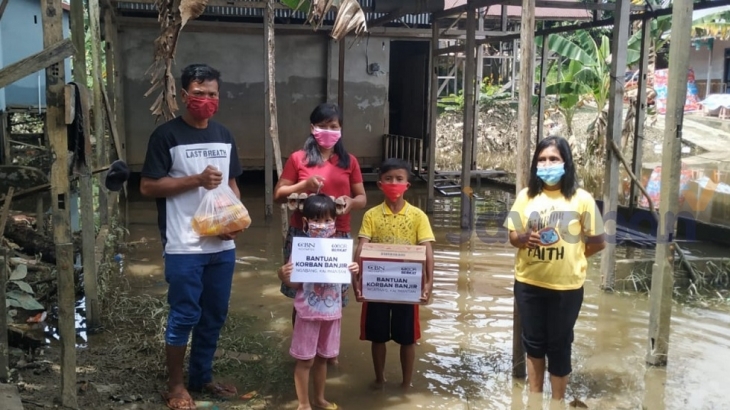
(464, 357)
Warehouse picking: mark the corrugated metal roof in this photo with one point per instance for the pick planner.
(242, 12)
(541, 13)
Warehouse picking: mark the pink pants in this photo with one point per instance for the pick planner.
(315, 338)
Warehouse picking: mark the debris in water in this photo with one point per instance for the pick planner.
(252, 259)
(577, 404)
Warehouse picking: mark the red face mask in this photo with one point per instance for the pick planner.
(393, 191)
(202, 108)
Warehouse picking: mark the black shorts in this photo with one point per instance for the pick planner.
(548, 317)
(381, 322)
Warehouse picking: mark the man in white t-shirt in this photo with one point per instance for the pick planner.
(186, 157)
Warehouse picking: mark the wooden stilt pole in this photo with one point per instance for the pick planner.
(524, 118)
(477, 94)
(468, 136)
(57, 135)
(613, 133)
(638, 151)
(433, 117)
(98, 106)
(663, 273)
(78, 36)
(543, 84)
(270, 112)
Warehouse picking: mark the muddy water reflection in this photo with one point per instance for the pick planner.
(464, 357)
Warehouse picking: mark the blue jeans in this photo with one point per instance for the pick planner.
(198, 295)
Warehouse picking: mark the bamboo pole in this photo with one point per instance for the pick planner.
(477, 94)
(613, 133)
(433, 129)
(57, 136)
(524, 117)
(98, 106)
(663, 272)
(270, 112)
(468, 135)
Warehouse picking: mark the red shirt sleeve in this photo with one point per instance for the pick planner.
(291, 168)
(355, 173)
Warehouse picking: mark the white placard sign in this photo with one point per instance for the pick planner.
(392, 281)
(321, 260)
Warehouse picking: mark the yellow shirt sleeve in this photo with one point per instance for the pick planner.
(366, 229)
(591, 219)
(515, 220)
(424, 233)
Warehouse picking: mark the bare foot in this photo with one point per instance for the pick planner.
(405, 386)
(378, 385)
(325, 405)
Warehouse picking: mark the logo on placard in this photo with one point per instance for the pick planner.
(339, 247)
(408, 271)
(376, 268)
(306, 246)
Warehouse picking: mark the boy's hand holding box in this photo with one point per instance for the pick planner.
(393, 273)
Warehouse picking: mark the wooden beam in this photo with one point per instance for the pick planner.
(468, 130)
(49, 56)
(638, 146)
(662, 278)
(51, 13)
(98, 106)
(613, 133)
(543, 84)
(551, 4)
(524, 120)
(221, 3)
(116, 51)
(78, 36)
(386, 19)
(433, 116)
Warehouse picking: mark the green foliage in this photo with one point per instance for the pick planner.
(489, 95)
(583, 73)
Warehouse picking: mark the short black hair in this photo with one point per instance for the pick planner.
(319, 206)
(569, 182)
(199, 73)
(394, 163)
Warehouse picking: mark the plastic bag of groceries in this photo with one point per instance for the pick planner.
(220, 212)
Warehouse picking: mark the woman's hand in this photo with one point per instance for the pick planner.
(284, 273)
(349, 202)
(314, 183)
(425, 292)
(530, 239)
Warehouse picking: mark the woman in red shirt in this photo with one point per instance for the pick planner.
(323, 166)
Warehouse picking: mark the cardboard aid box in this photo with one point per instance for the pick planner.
(392, 273)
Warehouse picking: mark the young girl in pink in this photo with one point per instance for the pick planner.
(318, 306)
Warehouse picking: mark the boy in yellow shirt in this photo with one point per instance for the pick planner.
(395, 221)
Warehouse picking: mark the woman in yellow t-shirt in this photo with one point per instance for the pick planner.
(555, 225)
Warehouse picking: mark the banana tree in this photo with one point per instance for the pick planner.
(716, 25)
(349, 18)
(586, 79)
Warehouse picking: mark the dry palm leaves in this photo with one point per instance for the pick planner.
(173, 15)
(350, 17)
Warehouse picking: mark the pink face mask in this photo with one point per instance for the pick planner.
(326, 138)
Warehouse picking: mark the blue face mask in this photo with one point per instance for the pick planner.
(552, 174)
